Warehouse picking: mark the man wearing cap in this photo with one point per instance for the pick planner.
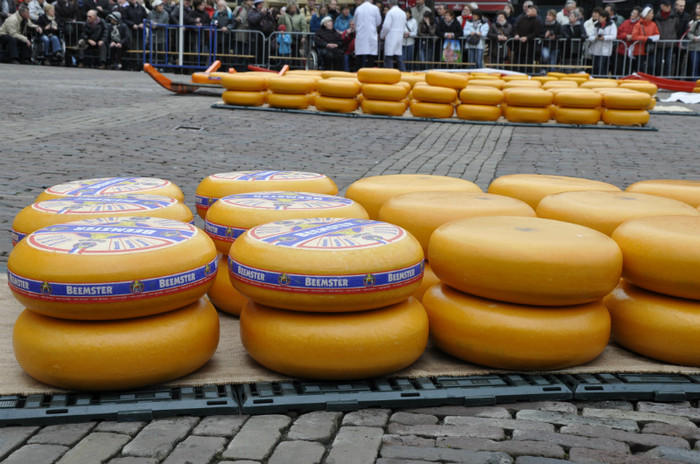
(563, 15)
(119, 37)
(367, 20)
(392, 33)
(329, 43)
(667, 22)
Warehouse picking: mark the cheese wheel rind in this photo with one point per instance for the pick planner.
(422, 109)
(113, 186)
(338, 88)
(389, 92)
(383, 107)
(687, 191)
(516, 337)
(289, 100)
(222, 294)
(244, 98)
(335, 346)
(433, 94)
(452, 80)
(291, 85)
(586, 116)
(378, 75)
(116, 355)
(529, 115)
(336, 104)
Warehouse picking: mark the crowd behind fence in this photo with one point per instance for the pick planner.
(159, 45)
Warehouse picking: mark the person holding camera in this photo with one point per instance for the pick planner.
(601, 37)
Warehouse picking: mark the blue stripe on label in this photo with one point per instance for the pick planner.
(204, 202)
(112, 291)
(295, 237)
(258, 175)
(94, 189)
(17, 236)
(173, 235)
(310, 283)
(225, 233)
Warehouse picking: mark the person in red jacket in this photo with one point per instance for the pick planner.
(624, 64)
(645, 33)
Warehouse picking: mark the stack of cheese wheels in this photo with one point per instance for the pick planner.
(113, 302)
(625, 107)
(432, 101)
(642, 86)
(112, 186)
(330, 297)
(577, 107)
(337, 95)
(656, 310)
(605, 211)
(421, 213)
(687, 191)
(372, 192)
(531, 188)
(245, 89)
(290, 92)
(480, 103)
(529, 105)
(526, 293)
(232, 215)
(383, 92)
(222, 184)
(67, 209)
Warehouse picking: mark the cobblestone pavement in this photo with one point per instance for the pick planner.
(70, 124)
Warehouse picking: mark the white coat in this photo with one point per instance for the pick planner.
(392, 31)
(367, 20)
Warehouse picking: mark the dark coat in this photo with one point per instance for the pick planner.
(135, 14)
(98, 31)
(443, 28)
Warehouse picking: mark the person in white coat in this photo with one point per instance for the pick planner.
(392, 34)
(367, 20)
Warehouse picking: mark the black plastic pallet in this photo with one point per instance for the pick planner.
(129, 406)
(634, 387)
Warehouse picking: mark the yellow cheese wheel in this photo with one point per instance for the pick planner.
(576, 79)
(556, 75)
(495, 83)
(338, 88)
(244, 98)
(531, 188)
(588, 116)
(662, 254)
(600, 83)
(372, 192)
(412, 78)
(520, 83)
(335, 346)
(626, 100)
(474, 95)
(249, 82)
(604, 211)
(383, 107)
(289, 101)
(222, 294)
(421, 109)
(291, 85)
(515, 337)
(626, 117)
(393, 92)
(429, 279)
(528, 97)
(112, 186)
(525, 260)
(421, 213)
(640, 86)
(654, 325)
(687, 191)
(452, 80)
(559, 84)
(232, 215)
(531, 115)
(326, 264)
(67, 209)
(378, 75)
(330, 74)
(215, 186)
(116, 355)
(336, 104)
(112, 268)
(578, 99)
(544, 79)
(434, 94)
(515, 77)
(479, 112)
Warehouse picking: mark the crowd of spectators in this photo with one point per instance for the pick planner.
(663, 40)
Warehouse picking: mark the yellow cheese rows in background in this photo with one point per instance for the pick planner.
(318, 286)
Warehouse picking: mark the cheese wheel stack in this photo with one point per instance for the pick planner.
(290, 92)
(480, 103)
(245, 89)
(337, 95)
(96, 286)
(577, 107)
(431, 101)
(337, 290)
(626, 107)
(528, 285)
(383, 92)
(528, 105)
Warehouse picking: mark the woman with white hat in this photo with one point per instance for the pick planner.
(645, 33)
(329, 43)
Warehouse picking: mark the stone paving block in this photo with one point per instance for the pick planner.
(220, 426)
(315, 426)
(636, 416)
(400, 461)
(307, 452)
(607, 457)
(675, 454)
(496, 412)
(257, 438)
(63, 434)
(36, 453)
(672, 409)
(572, 441)
(96, 447)
(127, 428)
(196, 449)
(408, 418)
(407, 440)
(367, 417)
(444, 454)
(568, 419)
(474, 431)
(159, 437)
(612, 404)
(556, 406)
(355, 445)
(648, 440)
(538, 460)
(512, 447)
(508, 424)
(133, 460)
(12, 437)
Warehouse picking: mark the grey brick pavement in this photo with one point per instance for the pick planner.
(73, 124)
